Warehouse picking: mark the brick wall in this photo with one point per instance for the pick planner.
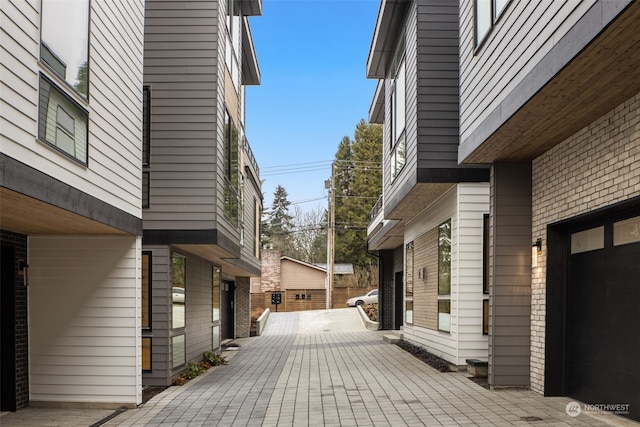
(594, 168)
(19, 243)
(270, 271)
(243, 306)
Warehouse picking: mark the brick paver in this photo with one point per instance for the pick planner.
(324, 368)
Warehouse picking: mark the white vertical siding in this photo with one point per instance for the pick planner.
(465, 205)
(113, 173)
(84, 319)
(524, 34)
(473, 203)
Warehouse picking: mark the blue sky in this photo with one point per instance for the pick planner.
(312, 56)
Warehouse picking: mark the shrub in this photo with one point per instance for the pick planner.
(214, 359)
(193, 370)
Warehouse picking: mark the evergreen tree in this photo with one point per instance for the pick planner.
(278, 224)
(358, 183)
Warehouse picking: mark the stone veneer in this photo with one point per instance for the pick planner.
(594, 168)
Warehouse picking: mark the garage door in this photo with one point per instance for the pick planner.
(602, 361)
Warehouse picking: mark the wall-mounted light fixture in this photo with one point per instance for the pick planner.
(536, 250)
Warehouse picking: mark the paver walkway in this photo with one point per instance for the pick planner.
(323, 368)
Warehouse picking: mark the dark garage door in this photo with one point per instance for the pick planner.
(602, 362)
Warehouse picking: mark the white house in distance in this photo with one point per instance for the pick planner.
(430, 224)
(70, 197)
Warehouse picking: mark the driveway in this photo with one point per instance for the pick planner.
(323, 368)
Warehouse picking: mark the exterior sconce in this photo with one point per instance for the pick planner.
(536, 248)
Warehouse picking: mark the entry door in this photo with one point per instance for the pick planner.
(227, 309)
(603, 321)
(7, 330)
(399, 301)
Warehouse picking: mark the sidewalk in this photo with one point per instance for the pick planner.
(323, 368)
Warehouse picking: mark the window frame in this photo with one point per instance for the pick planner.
(175, 255)
(146, 125)
(444, 297)
(494, 17)
(408, 283)
(45, 46)
(43, 113)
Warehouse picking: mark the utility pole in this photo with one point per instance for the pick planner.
(331, 226)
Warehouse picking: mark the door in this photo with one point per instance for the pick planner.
(602, 317)
(398, 311)
(7, 330)
(227, 310)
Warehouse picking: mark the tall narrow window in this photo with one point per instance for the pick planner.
(65, 47)
(408, 292)
(232, 181)
(178, 290)
(146, 310)
(398, 118)
(215, 328)
(444, 276)
(146, 125)
(485, 273)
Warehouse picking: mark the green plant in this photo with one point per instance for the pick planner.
(193, 370)
(214, 359)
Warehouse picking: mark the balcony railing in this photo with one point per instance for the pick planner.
(375, 210)
(250, 157)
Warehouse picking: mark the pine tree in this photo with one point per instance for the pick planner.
(278, 224)
(358, 179)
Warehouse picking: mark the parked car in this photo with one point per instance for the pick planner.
(370, 298)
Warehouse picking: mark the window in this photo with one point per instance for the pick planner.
(62, 122)
(146, 144)
(256, 229)
(486, 13)
(215, 308)
(178, 351)
(146, 290)
(145, 189)
(627, 231)
(234, 41)
(65, 48)
(146, 125)
(146, 354)
(398, 112)
(146, 310)
(485, 273)
(587, 240)
(444, 276)
(178, 290)
(232, 181)
(408, 314)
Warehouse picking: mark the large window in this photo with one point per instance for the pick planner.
(486, 13)
(444, 276)
(62, 123)
(65, 46)
(178, 290)
(408, 294)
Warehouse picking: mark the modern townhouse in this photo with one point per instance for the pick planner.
(70, 202)
(429, 224)
(202, 196)
(550, 97)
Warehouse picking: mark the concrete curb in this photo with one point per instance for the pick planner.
(368, 323)
(262, 322)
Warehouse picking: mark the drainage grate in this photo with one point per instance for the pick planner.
(530, 418)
